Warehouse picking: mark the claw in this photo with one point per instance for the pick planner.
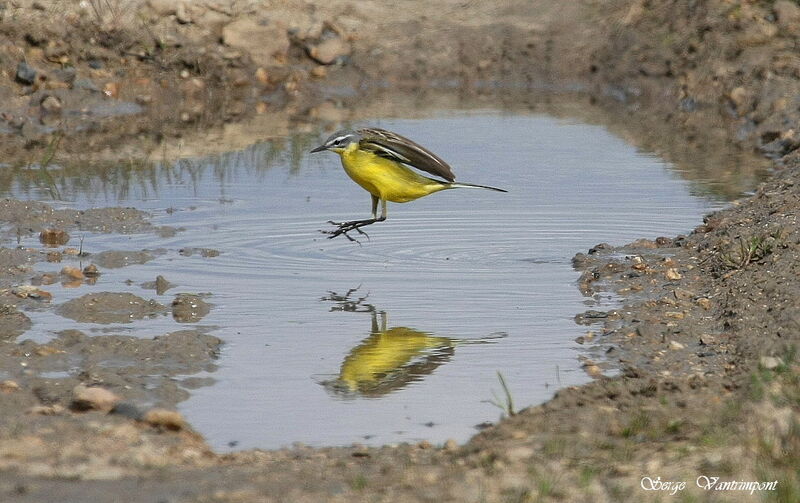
(353, 225)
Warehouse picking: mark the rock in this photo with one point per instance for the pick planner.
(770, 362)
(672, 274)
(704, 303)
(91, 271)
(676, 345)
(188, 308)
(182, 14)
(110, 307)
(267, 42)
(86, 398)
(450, 445)
(262, 76)
(113, 259)
(53, 237)
(26, 74)
(9, 386)
(111, 89)
(330, 51)
(163, 418)
(424, 444)
(72, 272)
(31, 292)
(51, 105)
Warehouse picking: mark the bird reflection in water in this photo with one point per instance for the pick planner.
(390, 358)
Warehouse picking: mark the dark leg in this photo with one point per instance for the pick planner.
(355, 225)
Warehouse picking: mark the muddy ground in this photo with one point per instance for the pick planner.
(704, 378)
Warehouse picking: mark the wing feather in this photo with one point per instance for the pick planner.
(399, 148)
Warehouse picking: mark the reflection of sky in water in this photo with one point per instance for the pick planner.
(459, 266)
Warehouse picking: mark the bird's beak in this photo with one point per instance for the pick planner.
(319, 149)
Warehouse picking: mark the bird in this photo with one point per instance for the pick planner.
(381, 162)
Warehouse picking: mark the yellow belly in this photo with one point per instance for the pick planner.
(388, 180)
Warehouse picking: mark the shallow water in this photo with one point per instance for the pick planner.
(400, 338)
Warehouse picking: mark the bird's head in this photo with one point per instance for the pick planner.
(339, 141)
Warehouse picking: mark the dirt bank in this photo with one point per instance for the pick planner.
(706, 378)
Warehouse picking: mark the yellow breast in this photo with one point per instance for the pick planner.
(386, 179)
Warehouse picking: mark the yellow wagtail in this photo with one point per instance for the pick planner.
(379, 160)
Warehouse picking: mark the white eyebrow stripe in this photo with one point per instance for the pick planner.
(338, 138)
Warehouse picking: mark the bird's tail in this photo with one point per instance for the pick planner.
(462, 185)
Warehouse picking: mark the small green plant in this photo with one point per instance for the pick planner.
(752, 249)
(506, 404)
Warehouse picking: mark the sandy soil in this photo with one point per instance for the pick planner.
(707, 380)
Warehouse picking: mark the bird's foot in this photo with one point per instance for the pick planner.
(342, 228)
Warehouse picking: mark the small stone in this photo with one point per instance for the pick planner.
(9, 386)
(51, 105)
(53, 237)
(188, 308)
(182, 14)
(676, 345)
(163, 418)
(672, 274)
(26, 74)
(675, 315)
(262, 75)
(319, 72)
(91, 271)
(704, 303)
(424, 444)
(593, 370)
(770, 362)
(71, 251)
(87, 398)
(450, 445)
(330, 51)
(72, 272)
(111, 89)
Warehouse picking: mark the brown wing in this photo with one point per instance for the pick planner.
(399, 148)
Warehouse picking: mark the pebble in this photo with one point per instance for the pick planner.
(53, 237)
(672, 274)
(424, 444)
(261, 75)
(72, 272)
(704, 303)
(770, 362)
(188, 308)
(163, 418)
(26, 74)
(450, 445)
(9, 386)
(87, 398)
(676, 345)
(330, 51)
(51, 105)
(91, 271)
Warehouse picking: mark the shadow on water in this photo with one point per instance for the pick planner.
(391, 358)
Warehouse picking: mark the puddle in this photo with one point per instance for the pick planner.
(399, 338)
